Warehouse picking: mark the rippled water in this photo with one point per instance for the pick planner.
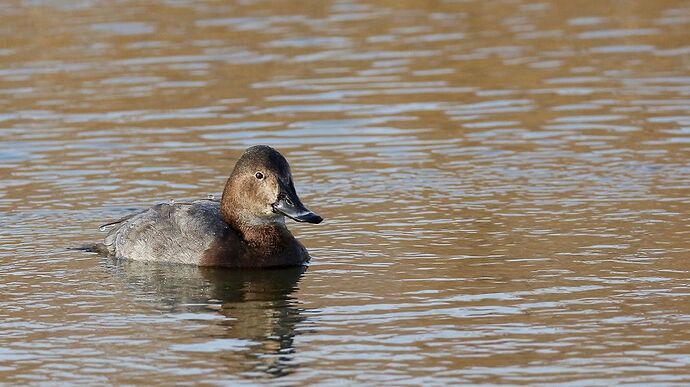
(505, 186)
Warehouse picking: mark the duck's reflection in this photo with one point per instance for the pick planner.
(258, 306)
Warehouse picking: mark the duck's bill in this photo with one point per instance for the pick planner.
(288, 204)
(296, 213)
(308, 216)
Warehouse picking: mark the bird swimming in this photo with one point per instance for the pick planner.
(244, 229)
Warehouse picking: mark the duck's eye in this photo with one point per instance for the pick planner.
(259, 175)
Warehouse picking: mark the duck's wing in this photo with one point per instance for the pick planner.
(178, 232)
(110, 237)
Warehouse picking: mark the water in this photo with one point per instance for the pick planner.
(505, 188)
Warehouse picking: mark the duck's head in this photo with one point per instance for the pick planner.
(260, 191)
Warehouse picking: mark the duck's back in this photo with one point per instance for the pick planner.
(179, 232)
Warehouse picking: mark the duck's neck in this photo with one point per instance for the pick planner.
(255, 231)
(263, 235)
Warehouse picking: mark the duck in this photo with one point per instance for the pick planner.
(245, 229)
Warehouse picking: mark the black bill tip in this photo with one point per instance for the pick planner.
(309, 218)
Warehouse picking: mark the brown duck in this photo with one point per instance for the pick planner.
(245, 229)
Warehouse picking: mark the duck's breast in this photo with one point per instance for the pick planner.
(179, 232)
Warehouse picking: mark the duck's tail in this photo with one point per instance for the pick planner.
(98, 248)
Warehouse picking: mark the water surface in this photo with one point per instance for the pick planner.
(505, 187)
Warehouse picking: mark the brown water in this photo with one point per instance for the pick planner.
(505, 185)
